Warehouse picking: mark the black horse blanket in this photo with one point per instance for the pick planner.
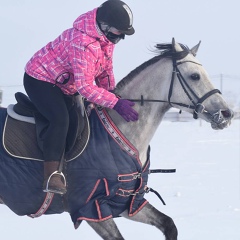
(106, 179)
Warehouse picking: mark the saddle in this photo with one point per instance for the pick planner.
(25, 128)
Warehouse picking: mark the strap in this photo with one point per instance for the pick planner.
(47, 202)
(154, 191)
(129, 177)
(162, 171)
(172, 81)
(202, 99)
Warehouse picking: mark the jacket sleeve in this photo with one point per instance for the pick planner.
(84, 65)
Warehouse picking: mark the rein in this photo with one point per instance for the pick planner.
(197, 106)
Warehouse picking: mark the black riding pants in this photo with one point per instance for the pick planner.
(49, 100)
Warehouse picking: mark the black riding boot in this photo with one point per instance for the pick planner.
(53, 180)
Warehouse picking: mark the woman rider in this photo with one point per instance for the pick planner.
(79, 61)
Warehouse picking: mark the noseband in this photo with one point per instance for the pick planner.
(196, 102)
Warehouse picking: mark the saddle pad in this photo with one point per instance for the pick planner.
(20, 140)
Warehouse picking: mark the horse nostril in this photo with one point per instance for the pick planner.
(227, 113)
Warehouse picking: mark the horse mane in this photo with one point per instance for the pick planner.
(163, 50)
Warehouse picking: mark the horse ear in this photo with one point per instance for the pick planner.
(195, 49)
(173, 44)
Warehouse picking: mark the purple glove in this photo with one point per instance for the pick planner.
(124, 108)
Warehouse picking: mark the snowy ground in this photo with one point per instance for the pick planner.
(203, 197)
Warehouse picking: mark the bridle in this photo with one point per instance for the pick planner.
(196, 102)
(197, 105)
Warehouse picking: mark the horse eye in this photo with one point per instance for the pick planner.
(195, 76)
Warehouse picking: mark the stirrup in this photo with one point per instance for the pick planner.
(52, 190)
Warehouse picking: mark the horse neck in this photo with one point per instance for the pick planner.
(153, 83)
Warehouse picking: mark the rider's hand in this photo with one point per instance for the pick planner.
(124, 108)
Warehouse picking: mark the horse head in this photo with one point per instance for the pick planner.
(173, 78)
(190, 83)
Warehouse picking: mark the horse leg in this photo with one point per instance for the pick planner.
(107, 229)
(150, 215)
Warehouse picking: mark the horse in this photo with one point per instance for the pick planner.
(108, 181)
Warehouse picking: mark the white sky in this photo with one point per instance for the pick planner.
(28, 25)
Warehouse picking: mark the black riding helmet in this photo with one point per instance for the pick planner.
(117, 14)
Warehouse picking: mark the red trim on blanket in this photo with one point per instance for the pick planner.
(106, 187)
(133, 199)
(139, 209)
(46, 203)
(91, 220)
(146, 166)
(93, 191)
(121, 139)
(120, 133)
(98, 209)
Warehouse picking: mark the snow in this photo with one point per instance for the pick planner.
(203, 196)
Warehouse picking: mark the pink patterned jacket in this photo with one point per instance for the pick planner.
(79, 60)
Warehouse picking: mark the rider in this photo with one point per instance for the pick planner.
(79, 61)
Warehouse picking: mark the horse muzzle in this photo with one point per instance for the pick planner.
(221, 119)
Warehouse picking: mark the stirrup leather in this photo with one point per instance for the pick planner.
(55, 191)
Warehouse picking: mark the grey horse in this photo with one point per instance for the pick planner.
(173, 78)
